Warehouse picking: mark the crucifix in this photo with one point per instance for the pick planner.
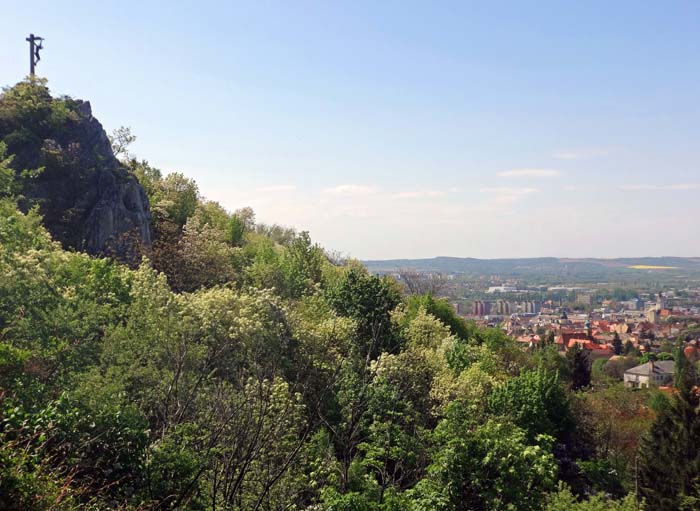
(35, 45)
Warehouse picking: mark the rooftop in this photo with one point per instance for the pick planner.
(658, 367)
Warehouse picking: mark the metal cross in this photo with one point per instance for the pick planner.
(34, 49)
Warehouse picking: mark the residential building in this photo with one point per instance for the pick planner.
(653, 373)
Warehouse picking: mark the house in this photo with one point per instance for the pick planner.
(563, 340)
(594, 349)
(621, 328)
(602, 325)
(657, 374)
(644, 329)
(529, 340)
(692, 351)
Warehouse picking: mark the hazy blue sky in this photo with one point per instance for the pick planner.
(403, 129)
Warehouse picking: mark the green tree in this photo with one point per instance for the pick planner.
(176, 199)
(368, 300)
(549, 339)
(301, 265)
(121, 139)
(549, 357)
(579, 367)
(149, 177)
(443, 310)
(565, 500)
(7, 174)
(489, 467)
(205, 258)
(611, 420)
(12, 182)
(673, 441)
(394, 448)
(536, 402)
(685, 374)
(235, 231)
(29, 115)
(617, 344)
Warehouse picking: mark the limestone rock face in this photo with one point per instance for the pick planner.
(89, 201)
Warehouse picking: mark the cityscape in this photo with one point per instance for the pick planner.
(349, 256)
(628, 331)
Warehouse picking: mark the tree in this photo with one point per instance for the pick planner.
(418, 283)
(235, 230)
(617, 344)
(411, 373)
(213, 214)
(443, 310)
(368, 300)
(247, 217)
(29, 115)
(276, 233)
(120, 140)
(565, 500)
(549, 357)
(394, 449)
(176, 199)
(491, 467)
(205, 259)
(612, 420)
(536, 402)
(301, 265)
(150, 178)
(7, 174)
(579, 367)
(615, 369)
(673, 441)
(550, 338)
(686, 377)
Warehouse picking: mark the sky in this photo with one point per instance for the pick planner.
(402, 129)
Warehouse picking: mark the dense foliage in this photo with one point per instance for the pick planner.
(240, 368)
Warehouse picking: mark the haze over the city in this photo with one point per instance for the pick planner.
(397, 131)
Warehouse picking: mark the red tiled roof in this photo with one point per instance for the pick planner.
(603, 325)
(588, 345)
(567, 336)
(692, 353)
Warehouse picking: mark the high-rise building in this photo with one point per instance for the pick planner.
(530, 307)
(652, 315)
(503, 307)
(661, 302)
(583, 298)
(481, 308)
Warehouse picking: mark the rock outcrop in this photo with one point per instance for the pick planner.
(88, 199)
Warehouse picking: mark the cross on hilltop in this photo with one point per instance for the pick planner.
(34, 50)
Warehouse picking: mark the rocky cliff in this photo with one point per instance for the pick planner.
(88, 199)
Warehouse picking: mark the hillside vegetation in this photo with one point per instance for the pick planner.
(239, 366)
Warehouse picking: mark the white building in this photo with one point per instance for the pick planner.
(650, 374)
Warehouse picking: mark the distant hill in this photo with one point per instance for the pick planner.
(584, 268)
